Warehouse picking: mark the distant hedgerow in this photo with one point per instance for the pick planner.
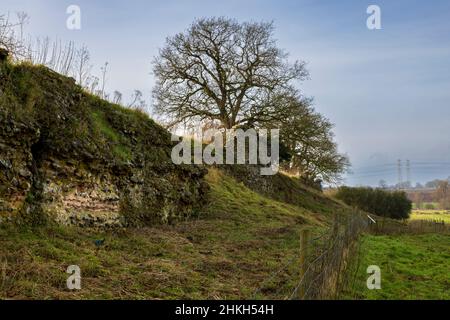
(392, 204)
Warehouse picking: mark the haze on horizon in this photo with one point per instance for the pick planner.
(387, 91)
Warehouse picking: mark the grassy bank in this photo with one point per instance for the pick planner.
(239, 239)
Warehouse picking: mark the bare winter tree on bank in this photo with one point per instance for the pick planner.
(223, 70)
(234, 74)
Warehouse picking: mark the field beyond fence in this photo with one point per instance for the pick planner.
(413, 257)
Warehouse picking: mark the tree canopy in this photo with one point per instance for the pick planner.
(235, 76)
(307, 136)
(223, 70)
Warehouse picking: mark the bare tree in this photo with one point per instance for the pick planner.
(54, 55)
(383, 184)
(22, 20)
(418, 199)
(442, 194)
(8, 36)
(40, 52)
(82, 66)
(104, 71)
(137, 101)
(68, 56)
(308, 138)
(93, 84)
(117, 97)
(222, 70)
(137, 95)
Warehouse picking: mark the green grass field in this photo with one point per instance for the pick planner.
(412, 267)
(432, 215)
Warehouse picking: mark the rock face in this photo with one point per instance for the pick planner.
(16, 140)
(76, 159)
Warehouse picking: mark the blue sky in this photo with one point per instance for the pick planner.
(387, 91)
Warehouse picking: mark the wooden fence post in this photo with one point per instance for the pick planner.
(335, 225)
(304, 239)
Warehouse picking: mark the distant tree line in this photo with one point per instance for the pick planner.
(433, 184)
(391, 204)
(439, 195)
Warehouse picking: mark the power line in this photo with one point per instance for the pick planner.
(399, 172)
(408, 172)
(417, 171)
(421, 166)
(394, 165)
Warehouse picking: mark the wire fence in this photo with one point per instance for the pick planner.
(319, 274)
(292, 262)
(325, 272)
(388, 226)
(323, 278)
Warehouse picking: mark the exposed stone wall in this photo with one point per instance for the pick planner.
(73, 192)
(71, 195)
(77, 159)
(16, 140)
